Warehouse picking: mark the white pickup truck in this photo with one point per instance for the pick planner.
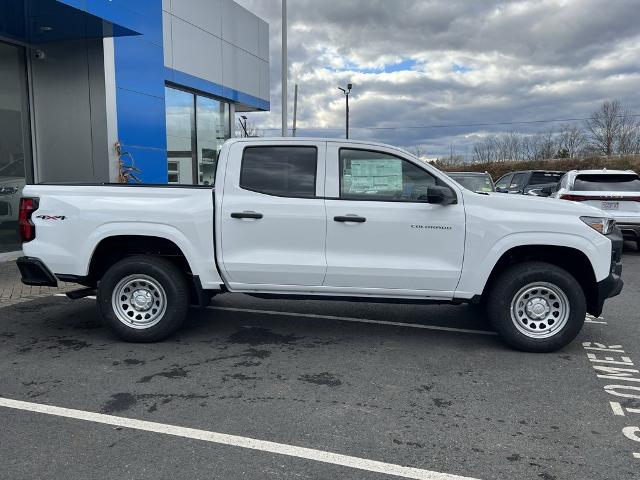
(326, 218)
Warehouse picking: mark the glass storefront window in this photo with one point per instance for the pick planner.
(197, 126)
(15, 141)
(181, 122)
(212, 119)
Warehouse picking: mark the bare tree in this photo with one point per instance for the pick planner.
(419, 152)
(547, 145)
(629, 134)
(571, 141)
(486, 150)
(604, 127)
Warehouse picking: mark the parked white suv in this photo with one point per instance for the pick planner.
(329, 218)
(617, 192)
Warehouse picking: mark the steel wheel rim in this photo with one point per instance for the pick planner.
(540, 310)
(139, 301)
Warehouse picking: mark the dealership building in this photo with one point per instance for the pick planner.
(112, 90)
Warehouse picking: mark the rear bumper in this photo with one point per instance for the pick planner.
(36, 273)
(612, 285)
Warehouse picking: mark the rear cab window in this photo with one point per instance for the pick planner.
(282, 171)
(628, 182)
(541, 178)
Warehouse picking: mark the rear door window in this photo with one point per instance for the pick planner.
(607, 183)
(519, 179)
(282, 171)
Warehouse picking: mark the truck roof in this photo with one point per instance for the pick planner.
(316, 139)
(603, 171)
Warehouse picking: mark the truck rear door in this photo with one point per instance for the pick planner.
(273, 222)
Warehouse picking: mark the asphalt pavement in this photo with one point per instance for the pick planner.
(439, 394)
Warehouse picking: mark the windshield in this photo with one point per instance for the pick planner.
(475, 183)
(607, 183)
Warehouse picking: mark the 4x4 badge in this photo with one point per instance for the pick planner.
(51, 217)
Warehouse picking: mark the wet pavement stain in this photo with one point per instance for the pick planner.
(439, 402)
(238, 376)
(424, 388)
(323, 378)
(122, 401)
(176, 372)
(73, 344)
(88, 325)
(133, 361)
(119, 402)
(247, 363)
(261, 336)
(514, 457)
(547, 476)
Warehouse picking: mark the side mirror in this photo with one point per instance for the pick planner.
(441, 195)
(546, 191)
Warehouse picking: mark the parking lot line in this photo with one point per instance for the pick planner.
(354, 319)
(342, 319)
(234, 440)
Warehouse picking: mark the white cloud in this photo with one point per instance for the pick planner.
(449, 62)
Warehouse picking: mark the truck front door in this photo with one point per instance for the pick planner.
(273, 222)
(381, 232)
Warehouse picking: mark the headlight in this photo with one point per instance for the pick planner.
(602, 225)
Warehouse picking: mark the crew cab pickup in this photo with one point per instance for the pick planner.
(325, 218)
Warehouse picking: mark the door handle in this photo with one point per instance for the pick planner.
(349, 218)
(254, 215)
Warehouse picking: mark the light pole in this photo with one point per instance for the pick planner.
(346, 92)
(285, 68)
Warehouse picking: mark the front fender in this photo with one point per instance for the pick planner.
(478, 266)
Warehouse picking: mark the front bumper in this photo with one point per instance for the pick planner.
(612, 285)
(630, 231)
(36, 273)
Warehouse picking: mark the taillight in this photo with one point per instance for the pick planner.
(582, 198)
(574, 198)
(25, 225)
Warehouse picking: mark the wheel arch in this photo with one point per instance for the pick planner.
(113, 248)
(571, 259)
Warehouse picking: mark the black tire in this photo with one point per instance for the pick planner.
(173, 291)
(511, 282)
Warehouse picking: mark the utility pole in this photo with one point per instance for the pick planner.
(295, 108)
(285, 68)
(346, 92)
(244, 125)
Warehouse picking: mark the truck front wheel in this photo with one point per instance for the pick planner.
(143, 298)
(536, 307)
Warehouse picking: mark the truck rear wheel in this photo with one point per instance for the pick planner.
(143, 298)
(536, 307)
